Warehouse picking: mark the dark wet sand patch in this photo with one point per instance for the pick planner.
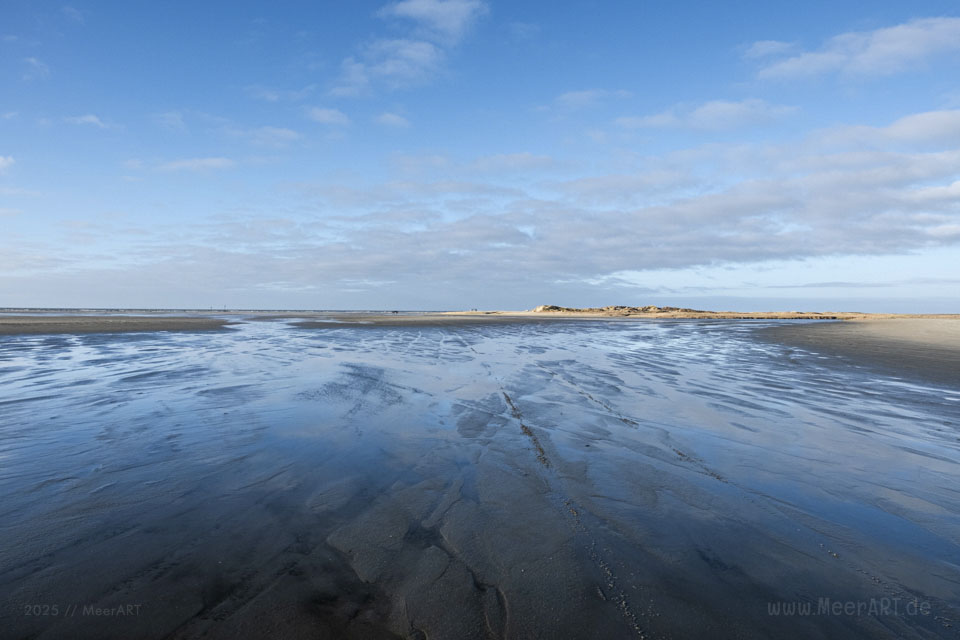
(33, 325)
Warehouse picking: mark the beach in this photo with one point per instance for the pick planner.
(103, 323)
(923, 348)
(338, 475)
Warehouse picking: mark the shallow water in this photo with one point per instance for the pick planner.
(553, 479)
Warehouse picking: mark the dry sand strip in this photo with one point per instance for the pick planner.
(465, 318)
(14, 325)
(924, 348)
(326, 320)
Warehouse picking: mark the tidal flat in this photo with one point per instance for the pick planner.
(554, 479)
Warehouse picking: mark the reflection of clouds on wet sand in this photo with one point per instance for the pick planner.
(501, 481)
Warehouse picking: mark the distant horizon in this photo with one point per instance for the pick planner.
(872, 306)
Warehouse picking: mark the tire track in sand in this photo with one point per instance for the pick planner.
(571, 510)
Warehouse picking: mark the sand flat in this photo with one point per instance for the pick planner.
(616, 479)
(58, 324)
(449, 318)
(926, 348)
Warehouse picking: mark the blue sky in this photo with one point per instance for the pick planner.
(444, 154)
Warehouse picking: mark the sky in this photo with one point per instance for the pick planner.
(455, 154)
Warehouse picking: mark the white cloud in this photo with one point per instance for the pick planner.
(394, 63)
(880, 52)
(931, 127)
(9, 115)
(400, 62)
(354, 78)
(272, 136)
(5, 163)
(926, 127)
(268, 94)
(715, 115)
(445, 227)
(88, 119)
(621, 188)
(767, 48)
(36, 68)
(197, 164)
(443, 19)
(328, 116)
(392, 120)
(172, 120)
(945, 193)
(421, 165)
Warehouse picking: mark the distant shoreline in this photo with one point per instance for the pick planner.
(64, 321)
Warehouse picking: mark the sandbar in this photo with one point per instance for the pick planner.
(58, 324)
(926, 348)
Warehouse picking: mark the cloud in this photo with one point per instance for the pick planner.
(268, 94)
(842, 284)
(823, 203)
(172, 120)
(587, 98)
(420, 164)
(392, 120)
(88, 119)
(272, 136)
(767, 48)
(74, 14)
(931, 127)
(445, 227)
(446, 20)
(36, 68)
(328, 116)
(715, 115)
(509, 163)
(873, 53)
(5, 163)
(393, 63)
(197, 164)
(624, 188)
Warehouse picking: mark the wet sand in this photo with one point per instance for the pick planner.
(57, 324)
(928, 349)
(567, 479)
